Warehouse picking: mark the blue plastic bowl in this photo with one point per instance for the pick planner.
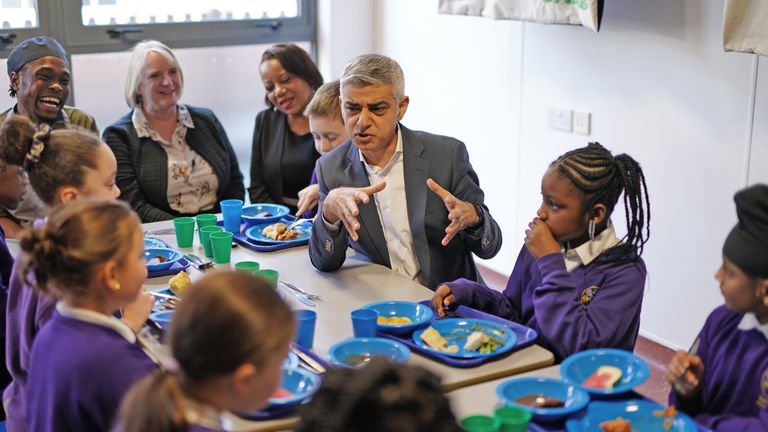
(171, 256)
(419, 314)
(300, 383)
(163, 318)
(340, 353)
(276, 211)
(578, 367)
(575, 398)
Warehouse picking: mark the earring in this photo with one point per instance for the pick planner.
(116, 286)
(591, 229)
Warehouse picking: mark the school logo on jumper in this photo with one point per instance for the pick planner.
(588, 294)
(763, 399)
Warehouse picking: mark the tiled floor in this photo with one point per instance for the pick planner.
(658, 356)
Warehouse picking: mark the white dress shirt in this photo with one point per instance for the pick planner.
(393, 213)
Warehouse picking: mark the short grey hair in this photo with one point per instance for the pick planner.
(374, 69)
(136, 66)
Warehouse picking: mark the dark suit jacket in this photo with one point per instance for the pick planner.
(271, 138)
(443, 159)
(142, 164)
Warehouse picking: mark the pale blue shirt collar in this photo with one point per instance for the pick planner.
(589, 251)
(97, 318)
(750, 322)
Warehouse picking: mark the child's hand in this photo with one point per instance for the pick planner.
(136, 313)
(308, 198)
(684, 373)
(539, 239)
(443, 297)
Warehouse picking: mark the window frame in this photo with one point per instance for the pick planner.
(62, 20)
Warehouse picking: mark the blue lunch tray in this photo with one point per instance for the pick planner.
(257, 246)
(178, 266)
(525, 337)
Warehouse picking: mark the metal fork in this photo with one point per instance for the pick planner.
(298, 222)
(301, 291)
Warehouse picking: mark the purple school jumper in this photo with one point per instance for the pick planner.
(734, 396)
(78, 375)
(6, 266)
(595, 306)
(27, 312)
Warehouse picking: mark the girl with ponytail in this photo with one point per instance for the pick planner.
(575, 282)
(229, 337)
(63, 165)
(90, 255)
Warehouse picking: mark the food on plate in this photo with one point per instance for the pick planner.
(281, 393)
(158, 259)
(393, 320)
(436, 341)
(605, 377)
(669, 413)
(540, 401)
(616, 425)
(481, 342)
(179, 283)
(279, 231)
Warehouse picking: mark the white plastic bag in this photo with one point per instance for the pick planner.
(578, 12)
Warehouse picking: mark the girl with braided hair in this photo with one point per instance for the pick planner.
(90, 253)
(63, 165)
(575, 282)
(382, 397)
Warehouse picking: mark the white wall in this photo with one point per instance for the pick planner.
(659, 88)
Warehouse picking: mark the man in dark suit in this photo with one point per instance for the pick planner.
(375, 188)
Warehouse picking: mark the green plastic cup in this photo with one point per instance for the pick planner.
(248, 266)
(221, 244)
(513, 419)
(272, 276)
(204, 220)
(205, 238)
(185, 231)
(480, 423)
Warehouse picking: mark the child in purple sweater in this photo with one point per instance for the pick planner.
(723, 381)
(63, 165)
(229, 337)
(575, 282)
(90, 253)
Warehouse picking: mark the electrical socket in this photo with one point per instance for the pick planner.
(581, 122)
(560, 119)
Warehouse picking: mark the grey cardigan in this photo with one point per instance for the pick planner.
(142, 164)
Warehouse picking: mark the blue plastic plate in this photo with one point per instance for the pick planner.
(456, 331)
(154, 243)
(578, 367)
(639, 412)
(303, 230)
(257, 213)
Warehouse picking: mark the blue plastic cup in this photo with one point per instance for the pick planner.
(364, 322)
(232, 210)
(305, 327)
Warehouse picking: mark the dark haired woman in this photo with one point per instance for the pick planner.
(575, 283)
(283, 154)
